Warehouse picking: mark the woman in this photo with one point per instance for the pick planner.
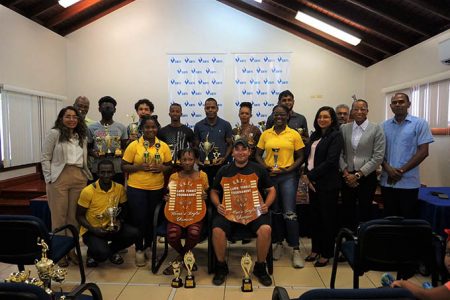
(283, 147)
(64, 165)
(246, 130)
(322, 177)
(145, 160)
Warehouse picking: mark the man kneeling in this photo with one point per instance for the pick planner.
(244, 174)
(92, 215)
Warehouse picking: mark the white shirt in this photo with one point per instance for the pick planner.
(357, 132)
(74, 152)
(311, 154)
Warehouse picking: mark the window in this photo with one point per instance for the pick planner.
(429, 101)
(25, 118)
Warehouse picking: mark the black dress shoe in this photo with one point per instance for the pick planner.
(91, 263)
(319, 264)
(311, 257)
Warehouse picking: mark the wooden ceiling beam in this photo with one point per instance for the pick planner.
(40, 7)
(425, 5)
(383, 15)
(70, 12)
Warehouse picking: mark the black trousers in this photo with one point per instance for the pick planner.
(101, 248)
(357, 202)
(400, 202)
(324, 220)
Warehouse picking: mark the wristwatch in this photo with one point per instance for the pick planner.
(357, 175)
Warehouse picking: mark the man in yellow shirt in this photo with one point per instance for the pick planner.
(92, 216)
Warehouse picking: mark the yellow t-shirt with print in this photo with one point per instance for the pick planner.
(288, 141)
(97, 200)
(203, 177)
(134, 154)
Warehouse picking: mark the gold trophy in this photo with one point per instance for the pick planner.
(177, 282)
(116, 143)
(157, 155)
(237, 136)
(99, 143)
(206, 147)
(108, 140)
(146, 153)
(189, 262)
(275, 159)
(134, 128)
(262, 125)
(246, 265)
(216, 155)
(112, 211)
(251, 139)
(172, 152)
(47, 270)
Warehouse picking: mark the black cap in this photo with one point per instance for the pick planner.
(242, 142)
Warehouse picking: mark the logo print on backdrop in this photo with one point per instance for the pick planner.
(238, 81)
(260, 114)
(181, 93)
(246, 71)
(214, 81)
(268, 59)
(209, 93)
(195, 115)
(240, 60)
(281, 81)
(195, 93)
(216, 60)
(173, 60)
(174, 82)
(267, 81)
(275, 70)
(189, 61)
(200, 103)
(274, 92)
(282, 59)
(253, 59)
(188, 82)
(252, 81)
(261, 71)
(188, 104)
(245, 92)
(184, 115)
(209, 71)
(203, 82)
(237, 103)
(255, 104)
(260, 93)
(195, 71)
(266, 103)
(181, 71)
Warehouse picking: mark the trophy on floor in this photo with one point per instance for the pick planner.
(275, 159)
(216, 155)
(99, 143)
(206, 147)
(112, 211)
(246, 264)
(177, 282)
(157, 155)
(47, 270)
(189, 262)
(146, 153)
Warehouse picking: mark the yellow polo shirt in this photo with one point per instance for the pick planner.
(97, 200)
(134, 154)
(288, 141)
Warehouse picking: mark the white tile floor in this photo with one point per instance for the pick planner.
(130, 282)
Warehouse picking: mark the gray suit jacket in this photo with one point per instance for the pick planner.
(370, 151)
(54, 157)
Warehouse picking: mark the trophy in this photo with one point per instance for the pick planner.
(246, 264)
(99, 144)
(146, 153)
(189, 262)
(172, 152)
(47, 270)
(177, 282)
(251, 139)
(116, 144)
(206, 147)
(112, 211)
(108, 140)
(134, 128)
(262, 125)
(216, 154)
(275, 158)
(237, 136)
(157, 155)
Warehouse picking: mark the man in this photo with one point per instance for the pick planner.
(238, 170)
(92, 216)
(107, 138)
(343, 113)
(219, 132)
(176, 135)
(407, 140)
(143, 107)
(82, 105)
(296, 121)
(363, 152)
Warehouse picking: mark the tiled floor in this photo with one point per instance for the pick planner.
(130, 282)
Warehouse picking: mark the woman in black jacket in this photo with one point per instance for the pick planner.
(322, 177)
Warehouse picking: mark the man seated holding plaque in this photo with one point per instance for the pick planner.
(237, 194)
(98, 214)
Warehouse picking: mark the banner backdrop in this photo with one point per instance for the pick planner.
(192, 79)
(259, 78)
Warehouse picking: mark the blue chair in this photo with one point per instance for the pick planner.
(280, 293)
(20, 235)
(23, 291)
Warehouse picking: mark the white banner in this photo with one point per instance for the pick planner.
(192, 79)
(259, 78)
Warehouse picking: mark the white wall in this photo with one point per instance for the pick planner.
(412, 64)
(125, 55)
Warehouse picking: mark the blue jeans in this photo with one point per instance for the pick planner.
(284, 222)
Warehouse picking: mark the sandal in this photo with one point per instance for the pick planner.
(312, 257)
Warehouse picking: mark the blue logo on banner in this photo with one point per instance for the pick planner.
(261, 115)
(195, 93)
(203, 60)
(173, 60)
(174, 82)
(246, 71)
(252, 81)
(254, 104)
(252, 59)
(201, 81)
(266, 103)
(216, 60)
(274, 92)
(240, 60)
(281, 59)
(187, 104)
(245, 92)
(195, 71)
(184, 115)
(200, 103)
(209, 93)
(261, 71)
(189, 61)
(281, 81)
(214, 81)
(237, 103)
(238, 81)
(275, 70)
(188, 82)
(181, 93)
(194, 115)
(261, 93)
(267, 81)
(209, 71)
(267, 59)
(180, 71)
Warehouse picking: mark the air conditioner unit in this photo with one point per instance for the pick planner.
(444, 52)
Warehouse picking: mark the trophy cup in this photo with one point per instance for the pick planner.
(246, 264)
(216, 155)
(134, 128)
(108, 140)
(172, 152)
(275, 158)
(99, 143)
(146, 153)
(206, 147)
(189, 262)
(116, 145)
(112, 211)
(237, 136)
(262, 125)
(177, 282)
(45, 265)
(251, 139)
(157, 155)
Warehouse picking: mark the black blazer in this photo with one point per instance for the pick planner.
(325, 173)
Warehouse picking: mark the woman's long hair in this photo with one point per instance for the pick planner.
(65, 136)
(334, 121)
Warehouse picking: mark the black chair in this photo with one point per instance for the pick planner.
(21, 234)
(23, 291)
(242, 234)
(280, 293)
(390, 244)
(159, 230)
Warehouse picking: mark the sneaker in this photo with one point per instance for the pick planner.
(161, 240)
(140, 258)
(221, 273)
(260, 272)
(91, 263)
(297, 260)
(116, 259)
(278, 251)
(148, 253)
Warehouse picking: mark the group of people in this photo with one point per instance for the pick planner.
(340, 157)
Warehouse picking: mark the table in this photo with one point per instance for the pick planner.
(434, 209)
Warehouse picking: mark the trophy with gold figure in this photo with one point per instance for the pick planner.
(108, 140)
(146, 153)
(275, 159)
(262, 125)
(237, 136)
(99, 143)
(177, 282)
(157, 155)
(117, 146)
(246, 265)
(251, 139)
(111, 212)
(189, 262)
(206, 147)
(216, 155)
(134, 127)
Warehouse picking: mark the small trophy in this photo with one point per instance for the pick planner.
(206, 147)
(251, 139)
(189, 262)
(116, 143)
(262, 125)
(172, 152)
(157, 155)
(216, 155)
(177, 282)
(275, 158)
(146, 153)
(108, 140)
(134, 128)
(246, 264)
(112, 211)
(237, 136)
(99, 143)
(300, 131)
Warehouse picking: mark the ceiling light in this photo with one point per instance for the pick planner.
(67, 3)
(259, 1)
(331, 30)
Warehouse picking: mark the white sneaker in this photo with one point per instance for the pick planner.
(148, 253)
(140, 258)
(297, 260)
(278, 251)
(161, 240)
